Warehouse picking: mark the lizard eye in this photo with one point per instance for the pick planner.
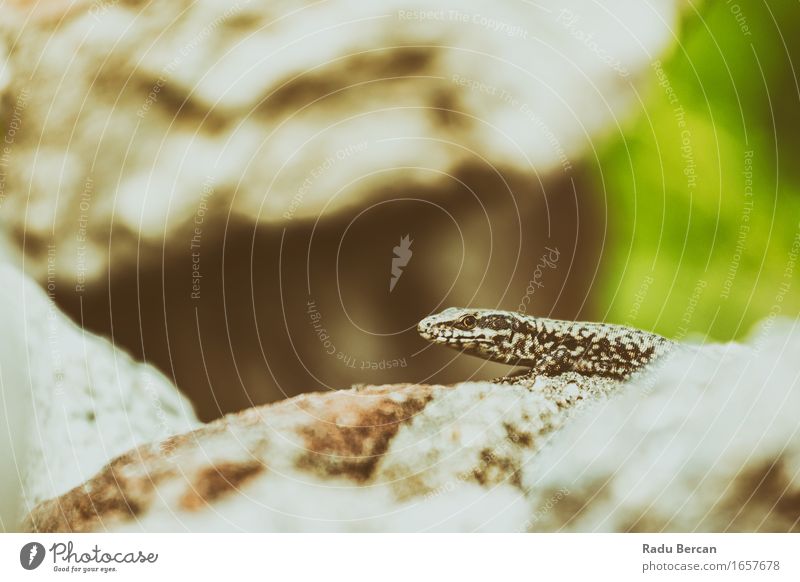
(468, 322)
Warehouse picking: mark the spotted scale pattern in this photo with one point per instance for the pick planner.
(549, 347)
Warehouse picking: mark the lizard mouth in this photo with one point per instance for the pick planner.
(458, 340)
(443, 334)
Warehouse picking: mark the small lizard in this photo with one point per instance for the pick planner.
(549, 347)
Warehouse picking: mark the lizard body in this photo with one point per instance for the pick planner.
(549, 347)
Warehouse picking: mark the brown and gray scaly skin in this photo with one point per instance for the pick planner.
(549, 347)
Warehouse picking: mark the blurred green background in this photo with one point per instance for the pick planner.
(697, 256)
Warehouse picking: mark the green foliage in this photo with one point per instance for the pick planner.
(692, 253)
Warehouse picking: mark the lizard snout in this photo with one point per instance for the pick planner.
(434, 330)
(425, 328)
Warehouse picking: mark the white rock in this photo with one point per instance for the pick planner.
(72, 401)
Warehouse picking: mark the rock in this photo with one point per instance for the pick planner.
(276, 114)
(73, 400)
(374, 458)
(706, 440)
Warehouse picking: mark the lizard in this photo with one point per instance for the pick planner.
(552, 348)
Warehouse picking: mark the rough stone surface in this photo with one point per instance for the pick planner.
(73, 400)
(707, 440)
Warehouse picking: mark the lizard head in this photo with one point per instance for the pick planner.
(479, 332)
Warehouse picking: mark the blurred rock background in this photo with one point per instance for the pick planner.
(219, 188)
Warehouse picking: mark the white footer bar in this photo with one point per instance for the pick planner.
(389, 557)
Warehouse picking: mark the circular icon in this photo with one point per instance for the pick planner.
(31, 555)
